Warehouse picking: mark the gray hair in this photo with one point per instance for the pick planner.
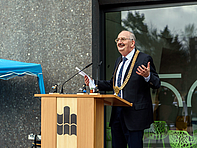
(132, 36)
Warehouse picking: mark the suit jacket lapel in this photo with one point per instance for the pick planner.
(116, 68)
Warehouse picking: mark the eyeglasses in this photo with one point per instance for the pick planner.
(122, 39)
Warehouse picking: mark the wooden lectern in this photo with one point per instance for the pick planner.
(74, 120)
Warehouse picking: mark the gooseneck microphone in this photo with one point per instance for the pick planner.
(75, 75)
(100, 63)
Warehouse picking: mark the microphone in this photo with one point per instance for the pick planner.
(75, 75)
(96, 89)
(100, 63)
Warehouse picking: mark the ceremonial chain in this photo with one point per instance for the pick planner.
(116, 88)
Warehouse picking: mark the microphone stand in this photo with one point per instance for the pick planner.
(74, 75)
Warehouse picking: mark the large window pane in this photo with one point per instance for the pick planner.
(169, 35)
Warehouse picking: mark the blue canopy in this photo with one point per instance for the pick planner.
(10, 69)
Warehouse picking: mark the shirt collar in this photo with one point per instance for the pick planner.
(130, 55)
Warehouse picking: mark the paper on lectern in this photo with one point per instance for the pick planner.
(91, 82)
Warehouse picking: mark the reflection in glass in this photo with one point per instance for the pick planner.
(172, 43)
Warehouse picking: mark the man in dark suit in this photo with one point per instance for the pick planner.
(134, 74)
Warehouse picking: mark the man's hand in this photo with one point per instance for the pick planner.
(143, 71)
(86, 79)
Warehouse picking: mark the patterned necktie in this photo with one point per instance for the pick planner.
(120, 75)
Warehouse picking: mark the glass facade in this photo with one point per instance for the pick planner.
(169, 35)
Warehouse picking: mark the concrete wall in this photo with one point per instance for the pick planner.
(54, 33)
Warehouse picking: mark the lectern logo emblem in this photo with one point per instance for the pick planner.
(67, 123)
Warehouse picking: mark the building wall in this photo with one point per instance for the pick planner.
(54, 33)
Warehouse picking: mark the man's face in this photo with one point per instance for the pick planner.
(124, 44)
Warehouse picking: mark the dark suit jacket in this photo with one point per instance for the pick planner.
(136, 91)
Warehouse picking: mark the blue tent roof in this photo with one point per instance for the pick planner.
(10, 69)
